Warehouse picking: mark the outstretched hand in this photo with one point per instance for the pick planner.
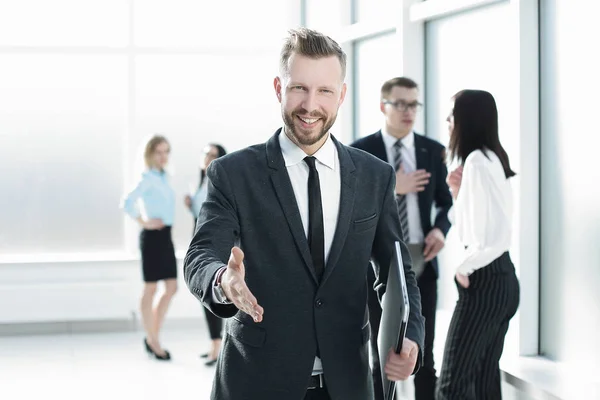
(235, 288)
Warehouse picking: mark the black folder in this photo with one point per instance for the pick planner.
(394, 317)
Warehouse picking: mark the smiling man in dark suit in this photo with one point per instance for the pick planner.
(420, 185)
(283, 243)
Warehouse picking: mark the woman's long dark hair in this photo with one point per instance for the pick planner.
(220, 153)
(476, 127)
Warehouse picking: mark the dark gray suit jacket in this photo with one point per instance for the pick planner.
(431, 156)
(251, 203)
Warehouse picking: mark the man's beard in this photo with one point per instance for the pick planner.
(306, 140)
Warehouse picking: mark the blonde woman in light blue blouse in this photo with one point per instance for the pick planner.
(152, 204)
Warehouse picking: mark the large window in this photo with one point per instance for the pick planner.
(234, 24)
(377, 59)
(570, 217)
(374, 10)
(84, 82)
(326, 16)
(64, 23)
(63, 118)
(470, 51)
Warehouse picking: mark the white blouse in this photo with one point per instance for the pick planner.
(482, 212)
(199, 197)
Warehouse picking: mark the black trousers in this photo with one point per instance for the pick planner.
(425, 379)
(476, 336)
(215, 324)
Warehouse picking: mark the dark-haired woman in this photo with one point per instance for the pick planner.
(194, 203)
(488, 288)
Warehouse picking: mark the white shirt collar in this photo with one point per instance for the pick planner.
(408, 141)
(292, 154)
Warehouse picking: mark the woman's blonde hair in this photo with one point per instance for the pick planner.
(151, 148)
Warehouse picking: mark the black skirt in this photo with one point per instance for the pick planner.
(158, 255)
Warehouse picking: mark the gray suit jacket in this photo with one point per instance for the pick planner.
(251, 203)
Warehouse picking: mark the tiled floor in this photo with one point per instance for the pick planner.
(114, 366)
(103, 366)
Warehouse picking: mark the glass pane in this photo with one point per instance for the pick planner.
(192, 23)
(457, 58)
(482, 61)
(570, 221)
(64, 23)
(377, 60)
(197, 99)
(63, 119)
(326, 16)
(375, 10)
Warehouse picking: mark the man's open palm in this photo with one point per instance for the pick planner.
(235, 288)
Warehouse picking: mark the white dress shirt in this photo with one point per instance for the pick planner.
(409, 162)
(482, 212)
(328, 167)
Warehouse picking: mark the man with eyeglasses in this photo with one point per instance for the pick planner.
(420, 184)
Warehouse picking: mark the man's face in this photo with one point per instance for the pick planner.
(400, 108)
(310, 95)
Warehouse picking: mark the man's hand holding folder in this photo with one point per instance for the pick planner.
(400, 367)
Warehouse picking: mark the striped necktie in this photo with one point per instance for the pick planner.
(400, 198)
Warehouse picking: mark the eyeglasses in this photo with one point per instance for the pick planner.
(401, 105)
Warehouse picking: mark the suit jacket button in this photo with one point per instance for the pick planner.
(318, 303)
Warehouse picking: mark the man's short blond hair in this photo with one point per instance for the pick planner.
(312, 44)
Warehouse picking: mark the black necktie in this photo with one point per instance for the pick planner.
(316, 231)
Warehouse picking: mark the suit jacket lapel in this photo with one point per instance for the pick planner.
(287, 199)
(347, 194)
(423, 162)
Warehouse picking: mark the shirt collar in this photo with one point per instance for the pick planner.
(292, 154)
(408, 141)
(157, 172)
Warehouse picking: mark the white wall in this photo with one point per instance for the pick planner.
(570, 219)
(80, 291)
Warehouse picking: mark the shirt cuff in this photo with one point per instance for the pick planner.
(451, 215)
(217, 298)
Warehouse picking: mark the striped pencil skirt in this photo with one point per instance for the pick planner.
(475, 341)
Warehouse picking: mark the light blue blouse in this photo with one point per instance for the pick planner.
(153, 197)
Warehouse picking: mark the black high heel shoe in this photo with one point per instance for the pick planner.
(151, 353)
(210, 363)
